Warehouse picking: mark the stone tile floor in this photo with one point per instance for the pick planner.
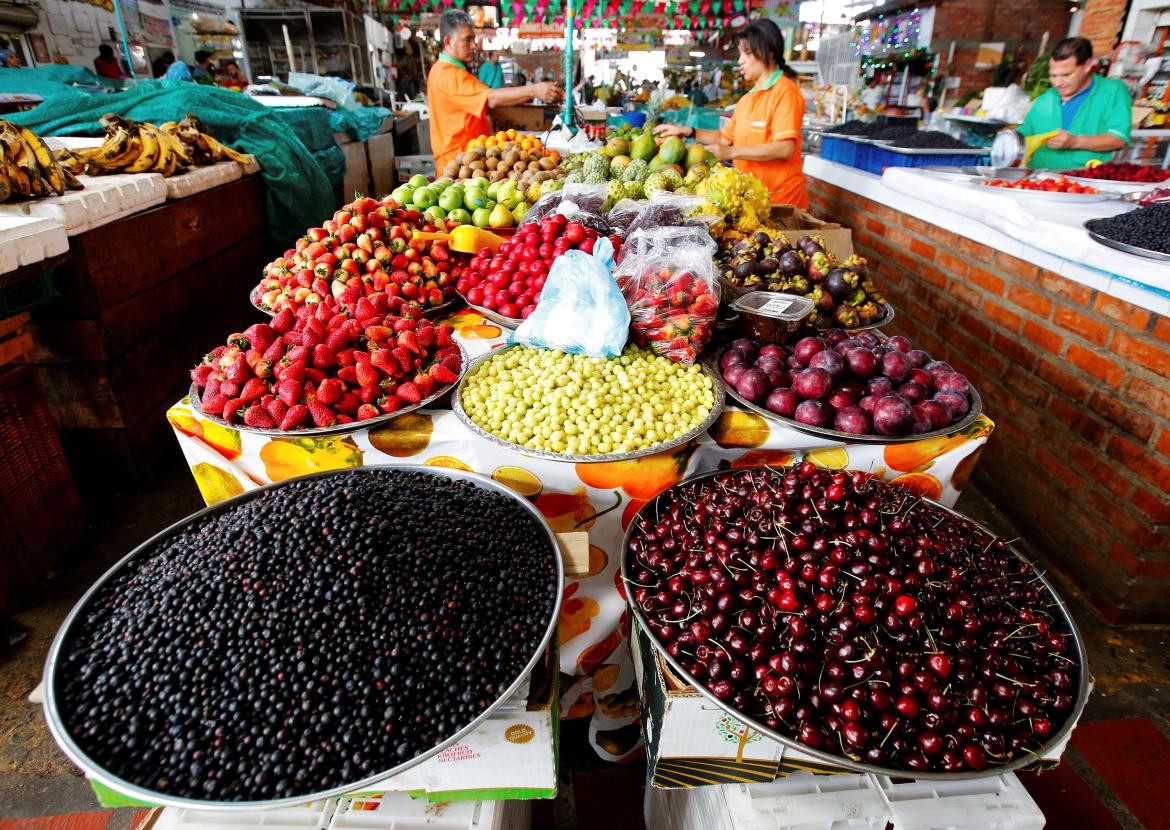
(1113, 776)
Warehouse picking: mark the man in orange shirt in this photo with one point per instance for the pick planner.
(763, 137)
(459, 102)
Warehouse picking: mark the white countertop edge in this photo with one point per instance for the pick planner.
(870, 186)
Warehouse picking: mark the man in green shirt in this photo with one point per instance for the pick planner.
(1089, 114)
(491, 74)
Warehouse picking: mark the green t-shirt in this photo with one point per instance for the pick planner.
(1107, 110)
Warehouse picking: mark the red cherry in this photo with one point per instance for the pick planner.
(905, 605)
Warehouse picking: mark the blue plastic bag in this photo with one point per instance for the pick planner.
(581, 309)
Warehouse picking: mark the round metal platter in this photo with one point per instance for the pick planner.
(703, 426)
(1047, 195)
(840, 760)
(498, 319)
(1134, 197)
(1125, 246)
(336, 429)
(848, 437)
(97, 772)
(1115, 186)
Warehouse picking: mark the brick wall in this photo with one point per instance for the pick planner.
(1101, 23)
(1077, 382)
(971, 22)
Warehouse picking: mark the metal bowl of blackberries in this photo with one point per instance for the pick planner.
(305, 639)
(853, 621)
(1143, 232)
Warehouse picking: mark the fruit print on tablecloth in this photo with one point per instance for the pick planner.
(286, 458)
(215, 485)
(404, 436)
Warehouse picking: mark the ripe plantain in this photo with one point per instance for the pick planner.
(5, 186)
(118, 149)
(149, 154)
(50, 170)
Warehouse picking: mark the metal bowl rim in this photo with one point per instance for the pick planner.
(1125, 247)
(694, 432)
(69, 747)
(838, 760)
(336, 429)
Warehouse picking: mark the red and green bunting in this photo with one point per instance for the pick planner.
(693, 15)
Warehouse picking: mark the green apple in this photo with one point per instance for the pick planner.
(424, 198)
(459, 216)
(417, 180)
(451, 198)
(473, 198)
(434, 214)
(441, 184)
(402, 194)
(481, 217)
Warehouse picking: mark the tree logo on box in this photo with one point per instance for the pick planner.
(732, 730)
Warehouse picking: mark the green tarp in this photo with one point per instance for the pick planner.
(300, 194)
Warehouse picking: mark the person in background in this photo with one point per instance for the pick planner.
(14, 60)
(1089, 114)
(872, 98)
(160, 65)
(5, 51)
(178, 71)
(203, 72)
(763, 137)
(106, 63)
(712, 90)
(232, 77)
(459, 102)
(490, 71)
(521, 78)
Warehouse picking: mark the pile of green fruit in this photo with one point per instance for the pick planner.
(636, 169)
(498, 204)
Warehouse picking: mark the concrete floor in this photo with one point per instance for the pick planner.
(1130, 664)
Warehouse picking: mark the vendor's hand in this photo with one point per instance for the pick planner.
(1063, 140)
(722, 152)
(546, 91)
(668, 130)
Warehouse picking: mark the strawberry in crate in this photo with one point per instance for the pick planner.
(325, 367)
(672, 312)
(367, 248)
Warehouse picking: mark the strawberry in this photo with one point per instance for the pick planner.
(426, 337)
(229, 389)
(384, 359)
(295, 354)
(294, 338)
(323, 356)
(289, 391)
(379, 334)
(295, 371)
(453, 362)
(369, 394)
(367, 411)
(211, 387)
(202, 374)
(364, 309)
(296, 417)
(379, 302)
(322, 415)
(344, 419)
(338, 339)
(255, 416)
(311, 339)
(407, 340)
(389, 403)
(238, 371)
(345, 357)
(348, 403)
(425, 384)
(275, 351)
(409, 392)
(442, 375)
(405, 324)
(277, 409)
(314, 376)
(212, 403)
(367, 375)
(231, 410)
(253, 389)
(238, 340)
(260, 335)
(330, 390)
(402, 356)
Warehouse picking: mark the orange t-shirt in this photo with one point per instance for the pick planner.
(765, 115)
(458, 104)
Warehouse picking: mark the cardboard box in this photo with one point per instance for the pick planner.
(691, 742)
(383, 169)
(357, 170)
(838, 239)
(522, 117)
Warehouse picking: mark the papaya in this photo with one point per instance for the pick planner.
(644, 148)
(672, 151)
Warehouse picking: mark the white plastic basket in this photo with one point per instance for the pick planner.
(314, 816)
(999, 803)
(398, 811)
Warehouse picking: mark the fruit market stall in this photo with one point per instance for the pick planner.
(1066, 337)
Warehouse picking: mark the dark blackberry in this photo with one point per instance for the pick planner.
(313, 636)
(930, 140)
(1147, 227)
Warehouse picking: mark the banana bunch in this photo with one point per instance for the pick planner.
(27, 166)
(202, 147)
(141, 147)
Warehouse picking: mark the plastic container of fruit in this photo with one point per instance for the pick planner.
(95, 771)
(847, 437)
(840, 761)
(337, 429)
(579, 458)
(772, 316)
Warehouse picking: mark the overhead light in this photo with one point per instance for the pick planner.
(697, 54)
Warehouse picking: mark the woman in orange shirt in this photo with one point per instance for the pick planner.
(763, 137)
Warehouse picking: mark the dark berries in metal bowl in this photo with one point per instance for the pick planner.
(305, 639)
(878, 630)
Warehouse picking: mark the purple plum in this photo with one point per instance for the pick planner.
(814, 414)
(853, 419)
(812, 383)
(783, 402)
(892, 415)
(753, 385)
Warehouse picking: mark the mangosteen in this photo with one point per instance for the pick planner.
(744, 246)
(761, 238)
(792, 263)
(769, 265)
(745, 269)
(837, 283)
(781, 244)
(856, 264)
(810, 245)
(819, 266)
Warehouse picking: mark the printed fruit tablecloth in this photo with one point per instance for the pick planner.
(599, 498)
